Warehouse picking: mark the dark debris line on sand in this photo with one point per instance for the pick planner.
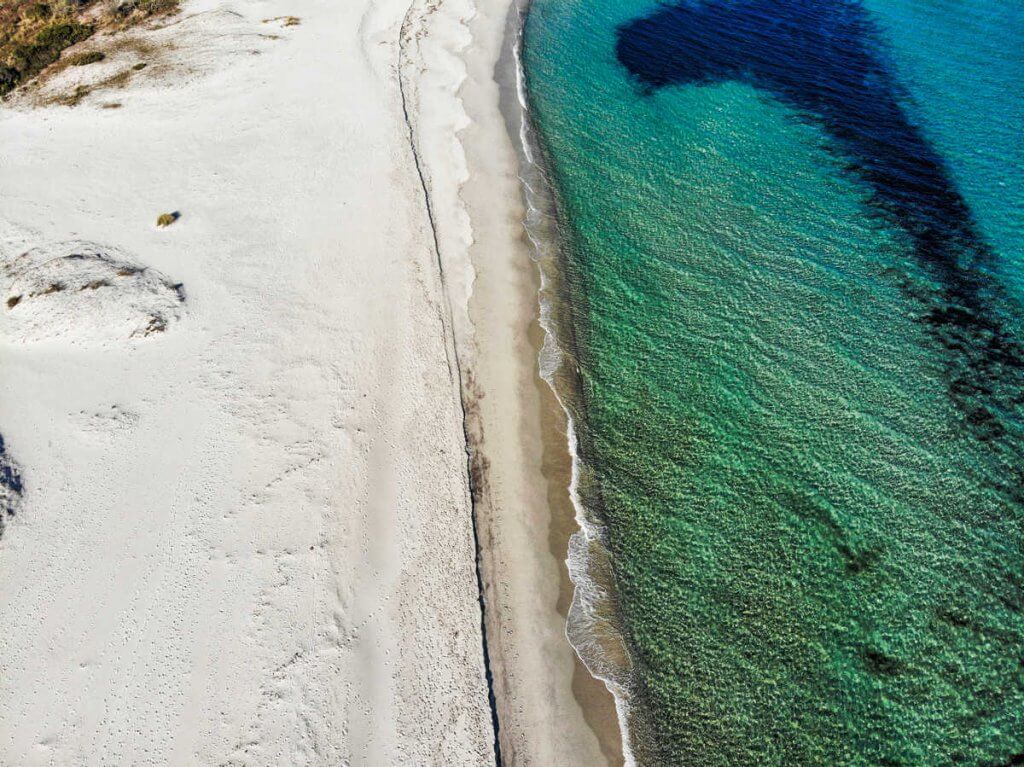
(456, 376)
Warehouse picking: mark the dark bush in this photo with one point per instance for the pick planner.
(63, 34)
(29, 58)
(8, 79)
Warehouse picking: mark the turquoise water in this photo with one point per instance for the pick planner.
(800, 419)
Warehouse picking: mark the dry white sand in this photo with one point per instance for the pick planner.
(245, 533)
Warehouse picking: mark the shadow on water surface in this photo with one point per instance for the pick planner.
(827, 61)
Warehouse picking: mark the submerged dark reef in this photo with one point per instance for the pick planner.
(827, 60)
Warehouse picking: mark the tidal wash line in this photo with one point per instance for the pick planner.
(827, 61)
(455, 375)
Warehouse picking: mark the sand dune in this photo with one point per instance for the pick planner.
(85, 293)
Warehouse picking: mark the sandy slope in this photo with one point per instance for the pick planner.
(244, 538)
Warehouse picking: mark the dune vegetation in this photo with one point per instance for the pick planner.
(33, 34)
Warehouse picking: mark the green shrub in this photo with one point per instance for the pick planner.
(63, 34)
(9, 77)
(29, 58)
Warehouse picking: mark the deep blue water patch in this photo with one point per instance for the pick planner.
(828, 61)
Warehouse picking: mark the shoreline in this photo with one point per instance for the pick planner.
(593, 623)
(597, 699)
(550, 709)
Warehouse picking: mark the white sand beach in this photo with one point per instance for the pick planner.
(244, 532)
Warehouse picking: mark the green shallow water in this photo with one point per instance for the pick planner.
(816, 562)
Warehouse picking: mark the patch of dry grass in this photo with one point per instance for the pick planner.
(285, 21)
(34, 34)
(73, 98)
(120, 79)
(86, 58)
